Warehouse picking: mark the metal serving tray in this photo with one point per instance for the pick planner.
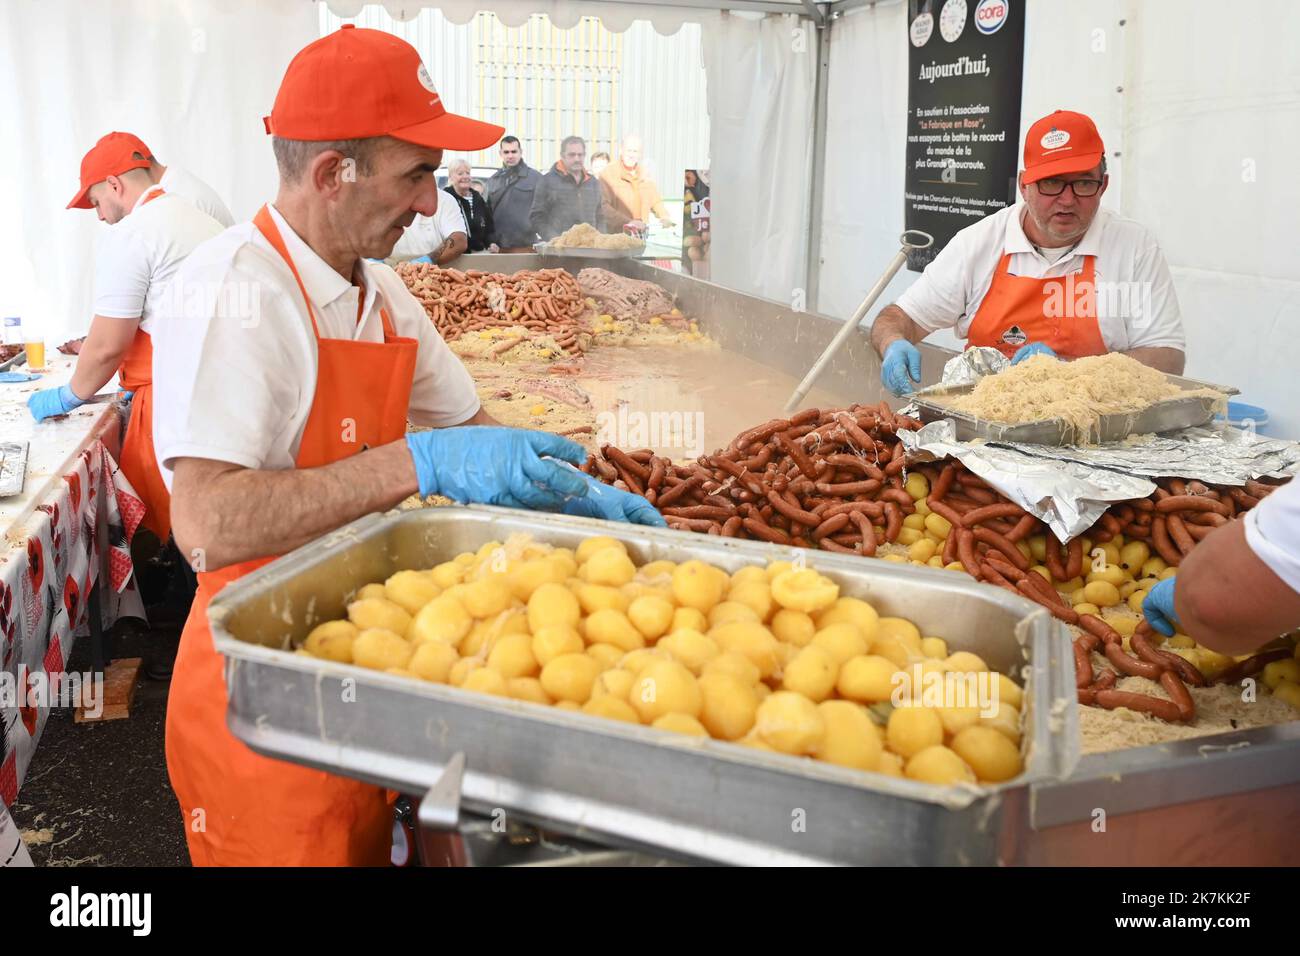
(1164, 416)
(580, 252)
(630, 786)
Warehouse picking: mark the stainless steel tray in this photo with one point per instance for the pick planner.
(7, 364)
(576, 252)
(630, 786)
(1168, 415)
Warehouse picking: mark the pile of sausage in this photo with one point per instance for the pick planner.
(828, 478)
(541, 301)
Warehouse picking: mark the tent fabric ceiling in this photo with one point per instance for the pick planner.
(615, 15)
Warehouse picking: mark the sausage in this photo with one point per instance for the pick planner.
(743, 477)
(1257, 489)
(792, 512)
(1190, 503)
(848, 488)
(1023, 529)
(1055, 562)
(1142, 646)
(830, 544)
(966, 551)
(984, 496)
(658, 469)
(625, 462)
(1105, 680)
(1003, 566)
(1160, 541)
(1059, 611)
(1166, 710)
(868, 532)
(893, 521)
(831, 525)
(1082, 666)
(796, 455)
(950, 547)
(1074, 559)
(991, 575)
(873, 508)
(947, 513)
(1179, 534)
(899, 497)
(843, 460)
(944, 482)
(764, 532)
(1008, 548)
(711, 512)
(731, 527)
(761, 433)
(1095, 625)
(1127, 664)
(1181, 696)
(1251, 666)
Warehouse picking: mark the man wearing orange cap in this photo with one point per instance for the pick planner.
(287, 399)
(152, 233)
(1058, 275)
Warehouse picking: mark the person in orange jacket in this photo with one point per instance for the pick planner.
(630, 195)
(152, 233)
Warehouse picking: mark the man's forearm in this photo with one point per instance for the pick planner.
(101, 354)
(1170, 361)
(892, 324)
(452, 247)
(223, 514)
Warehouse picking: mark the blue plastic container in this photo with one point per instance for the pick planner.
(1239, 413)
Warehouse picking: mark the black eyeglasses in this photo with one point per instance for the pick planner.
(1083, 188)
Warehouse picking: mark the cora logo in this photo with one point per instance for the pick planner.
(1054, 138)
(990, 15)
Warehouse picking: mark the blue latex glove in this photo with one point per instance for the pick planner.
(427, 259)
(53, 401)
(1158, 606)
(1033, 348)
(613, 504)
(497, 466)
(901, 360)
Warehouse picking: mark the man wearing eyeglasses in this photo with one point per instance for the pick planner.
(1057, 275)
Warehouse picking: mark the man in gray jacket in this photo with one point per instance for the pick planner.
(567, 194)
(510, 194)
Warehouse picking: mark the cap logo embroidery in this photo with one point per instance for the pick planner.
(1054, 138)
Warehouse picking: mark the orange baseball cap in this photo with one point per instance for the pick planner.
(358, 83)
(1063, 142)
(111, 156)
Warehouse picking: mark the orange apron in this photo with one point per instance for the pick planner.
(1060, 312)
(139, 463)
(240, 808)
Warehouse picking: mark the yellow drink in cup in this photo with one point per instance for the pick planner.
(35, 355)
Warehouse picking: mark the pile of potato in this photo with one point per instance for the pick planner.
(773, 658)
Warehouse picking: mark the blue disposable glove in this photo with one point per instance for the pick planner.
(1033, 348)
(1158, 606)
(497, 466)
(613, 504)
(428, 259)
(53, 401)
(901, 360)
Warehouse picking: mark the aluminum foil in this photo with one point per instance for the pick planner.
(1067, 496)
(969, 367)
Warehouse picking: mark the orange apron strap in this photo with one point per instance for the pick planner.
(266, 225)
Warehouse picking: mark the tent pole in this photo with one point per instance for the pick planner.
(817, 170)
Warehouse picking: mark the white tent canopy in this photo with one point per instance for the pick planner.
(807, 105)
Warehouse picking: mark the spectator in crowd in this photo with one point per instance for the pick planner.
(478, 187)
(629, 195)
(567, 194)
(474, 208)
(439, 238)
(598, 163)
(510, 192)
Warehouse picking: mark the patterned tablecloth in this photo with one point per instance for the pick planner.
(70, 529)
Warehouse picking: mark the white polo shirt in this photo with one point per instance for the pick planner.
(1273, 532)
(427, 233)
(139, 254)
(188, 186)
(1136, 303)
(235, 372)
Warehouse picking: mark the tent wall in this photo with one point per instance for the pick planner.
(192, 78)
(1200, 115)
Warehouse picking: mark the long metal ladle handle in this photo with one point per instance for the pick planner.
(906, 246)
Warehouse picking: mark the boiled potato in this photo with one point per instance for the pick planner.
(680, 724)
(379, 614)
(911, 729)
(749, 574)
(332, 641)
(1133, 556)
(591, 546)
(609, 566)
(728, 704)
(607, 654)
(922, 550)
(939, 765)
(651, 615)
(485, 680)
(734, 663)
(901, 630)
(608, 626)
(638, 659)
(756, 595)
(793, 627)
(939, 525)
(1009, 691)
(697, 585)
(570, 677)
(689, 619)
(462, 669)
(908, 536)
(841, 640)
(601, 597)
(380, 649)
(1277, 671)
(803, 589)
(1101, 593)
(527, 688)
(957, 719)
(571, 705)
(487, 597)
(657, 569)
(726, 611)
(790, 723)
(665, 687)
(935, 647)
(550, 642)
(411, 590)
(1154, 567)
(869, 678)
(553, 605)
(915, 521)
(432, 661)
(1113, 575)
(851, 739)
(812, 672)
(447, 574)
(890, 764)
(691, 648)
(1006, 722)
(526, 577)
(751, 639)
(991, 755)
(966, 662)
(917, 485)
(372, 592)
(614, 682)
(894, 650)
(611, 708)
(1289, 692)
(512, 656)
